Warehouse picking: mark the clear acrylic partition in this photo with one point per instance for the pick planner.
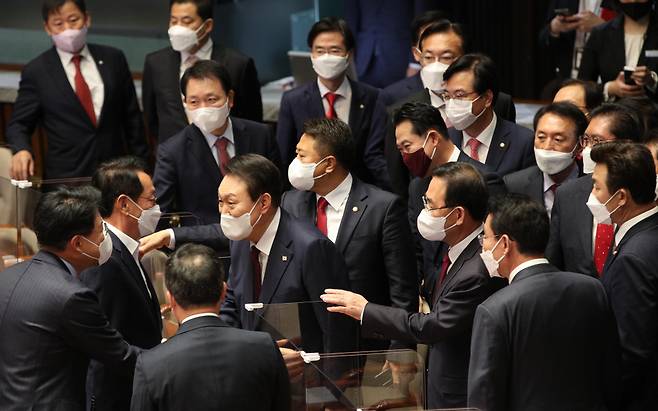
(336, 376)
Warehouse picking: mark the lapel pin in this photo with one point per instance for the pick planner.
(355, 209)
(502, 145)
(100, 62)
(361, 106)
(284, 258)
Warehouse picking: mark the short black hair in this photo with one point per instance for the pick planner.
(652, 141)
(194, 275)
(259, 174)
(566, 111)
(630, 166)
(423, 20)
(624, 124)
(331, 24)
(593, 94)
(465, 187)
(51, 6)
(332, 137)
(483, 67)
(204, 69)
(116, 177)
(645, 110)
(442, 26)
(523, 219)
(423, 117)
(204, 8)
(64, 213)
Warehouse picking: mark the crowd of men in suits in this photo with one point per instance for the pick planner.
(535, 253)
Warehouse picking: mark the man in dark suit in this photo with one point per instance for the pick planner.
(123, 287)
(207, 364)
(585, 95)
(471, 91)
(624, 192)
(52, 324)
(81, 94)
(456, 203)
(333, 95)
(161, 94)
(194, 160)
(558, 127)
(574, 236)
(547, 340)
(367, 224)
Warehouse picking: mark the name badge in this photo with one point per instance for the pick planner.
(651, 53)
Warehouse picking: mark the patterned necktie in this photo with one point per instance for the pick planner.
(445, 263)
(474, 143)
(222, 153)
(331, 99)
(604, 234)
(82, 90)
(322, 215)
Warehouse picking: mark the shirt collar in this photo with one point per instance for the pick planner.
(264, 245)
(131, 244)
(624, 228)
(69, 266)
(66, 57)
(191, 317)
(204, 53)
(454, 157)
(487, 134)
(338, 196)
(228, 134)
(456, 250)
(527, 264)
(343, 90)
(548, 181)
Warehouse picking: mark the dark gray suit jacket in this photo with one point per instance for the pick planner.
(545, 342)
(529, 181)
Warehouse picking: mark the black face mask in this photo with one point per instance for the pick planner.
(636, 10)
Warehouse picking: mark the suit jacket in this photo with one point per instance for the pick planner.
(367, 119)
(529, 181)
(398, 172)
(161, 93)
(52, 325)
(209, 365)
(74, 146)
(186, 167)
(605, 55)
(570, 243)
(447, 328)
(629, 277)
(374, 240)
(123, 296)
(402, 89)
(511, 366)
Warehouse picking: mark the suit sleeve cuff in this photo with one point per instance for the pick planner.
(172, 239)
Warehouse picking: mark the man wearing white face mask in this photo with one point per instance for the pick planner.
(191, 164)
(578, 243)
(334, 95)
(455, 206)
(190, 26)
(542, 341)
(124, 289)
(557, 130)
(83, 97)
(623, 193)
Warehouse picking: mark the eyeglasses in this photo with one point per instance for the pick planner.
(460, 95)
(587, 140)
(426, 204)
(334, 51)
(428, 58)
(482, 237)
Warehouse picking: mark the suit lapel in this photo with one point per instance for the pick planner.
(277, 263)
(536, 183)
(355, 207)
(171, 79)
(197, 145)
(586, 216)
(314, 106)
(616, 43)
(499, 144)
(240, 138)
(58, 76)
(467, 254)
(357, 107)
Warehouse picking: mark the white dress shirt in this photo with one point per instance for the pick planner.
(133, 248)
(624, 228)
(525, 265)
(485, 138)
(90, 73)
(454, 157)
(204, 53)
(456, 250)
(228, 134)
(264, 245)
(342, 102)
(191, 317)
(337, 200)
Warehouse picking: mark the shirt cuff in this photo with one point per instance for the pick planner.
(362, 312)
(606, 96)
(654, 77)
(172, 239)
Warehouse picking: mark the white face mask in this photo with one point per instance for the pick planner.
(301, 174)
(183, 38)
(238, 228)
(209, 119)
(148, 220)
(70, 40)
(490, 261)
(104, 249)
(432, 75)
(588, 164)
(460, 113)
(329, 66)
(432, 228)
(552, 162)
(599, 210)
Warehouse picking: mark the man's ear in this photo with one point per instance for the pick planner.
(231, 98)
(222, 295)
(87, 20)
(488, 98)
(415, 51)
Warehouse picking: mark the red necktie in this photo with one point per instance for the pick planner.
(474, 143)
(604, 234)
(82, 90)
(255, 263)
(331, 99)
(322, 215)
(222, 153)
(553, 188)
(442, 274)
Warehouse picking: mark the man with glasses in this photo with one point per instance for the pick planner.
(557, 130)
(577, 243)
(455, 207)
(585, 95)
(334, 95)
(124, 289)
